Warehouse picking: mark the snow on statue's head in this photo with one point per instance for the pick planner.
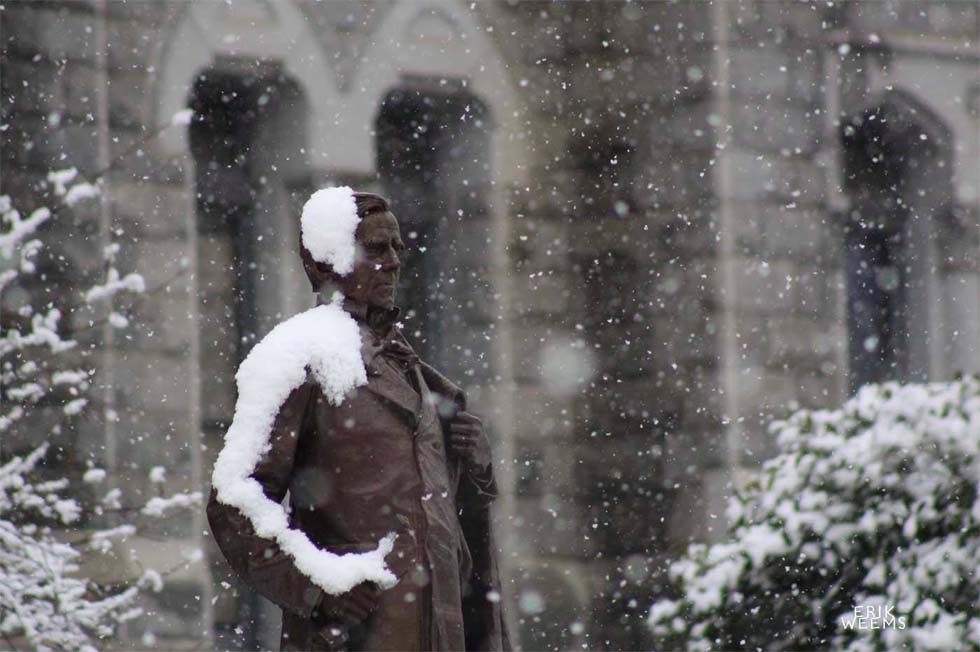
(328, 230)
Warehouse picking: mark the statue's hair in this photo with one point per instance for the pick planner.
(367, 203)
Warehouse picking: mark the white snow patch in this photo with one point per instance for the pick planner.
(160, 506)
(326, 342)
(328, 225)
(94, 476)
(75, 407)
(133, 282)
(69, 377)
(102, 539)
(113, 499)
(20, 228)
(158, 475)
(80, 192)
(61, 179)
(151, 579)
(67, 509)
(182, 118)
(118, 320)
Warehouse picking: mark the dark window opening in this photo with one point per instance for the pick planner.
(434, 163)
(894, 174)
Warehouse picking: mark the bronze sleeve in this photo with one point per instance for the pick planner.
(258, 561)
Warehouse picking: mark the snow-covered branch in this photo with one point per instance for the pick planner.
(45, 603)
(869, 506)
(132, 282)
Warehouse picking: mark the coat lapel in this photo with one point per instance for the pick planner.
(384, 381)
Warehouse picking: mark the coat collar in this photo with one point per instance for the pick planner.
(379, 333)
(380, 320)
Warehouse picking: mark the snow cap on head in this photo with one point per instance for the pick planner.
(328, 225)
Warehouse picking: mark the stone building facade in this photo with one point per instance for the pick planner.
(663, 223)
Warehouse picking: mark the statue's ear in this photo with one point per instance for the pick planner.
(318, 273)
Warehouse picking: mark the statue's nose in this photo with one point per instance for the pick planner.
(391, 260)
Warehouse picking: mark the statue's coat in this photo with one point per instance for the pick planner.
(377, 463)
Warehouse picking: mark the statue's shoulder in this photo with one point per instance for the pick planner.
(323, 342)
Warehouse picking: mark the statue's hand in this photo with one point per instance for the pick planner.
(352, 607)
(468, 441)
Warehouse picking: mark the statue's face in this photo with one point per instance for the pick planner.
(374, 278)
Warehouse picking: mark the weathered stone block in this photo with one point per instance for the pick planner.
(148, 209)
(80, 79)
(553, 525)
(128, 105)
(555, 591)
(800, 22)
(760, 177)
(55, 148)
(54, 32)
(800, 233)
(767, 126)
(799, 343)
(539, 244)
(814, 293)
(540, 415)
(148, 384)
(672, 178)
(683, 129)
(536, 30)
(760, 71)
(594, 78)
(466, 352)
(159, 261)
(160, 322)
(540, 293)
(32, 87)
(763, 285)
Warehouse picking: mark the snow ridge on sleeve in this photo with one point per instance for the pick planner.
(326, 341)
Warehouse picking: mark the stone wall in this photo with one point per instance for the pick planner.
(672, 265)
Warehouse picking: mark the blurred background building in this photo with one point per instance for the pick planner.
(642, 228)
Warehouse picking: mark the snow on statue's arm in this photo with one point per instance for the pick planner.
(251, 474)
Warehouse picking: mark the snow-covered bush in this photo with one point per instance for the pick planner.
(50, 517)
(870, 509)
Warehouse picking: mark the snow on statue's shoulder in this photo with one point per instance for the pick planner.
(327, 227)
(326, 342)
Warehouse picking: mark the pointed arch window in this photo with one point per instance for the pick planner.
(898, 182)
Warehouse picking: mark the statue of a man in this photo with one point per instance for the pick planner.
(399, 454)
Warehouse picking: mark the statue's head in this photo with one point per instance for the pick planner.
(374, 277)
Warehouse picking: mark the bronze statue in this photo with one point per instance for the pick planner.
(400, 454)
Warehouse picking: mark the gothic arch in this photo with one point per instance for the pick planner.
(433, 39)
(259, 30)
(913, 110)
(904, 131)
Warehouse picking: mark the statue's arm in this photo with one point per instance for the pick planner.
(483, 622)
(477, 465)
(258, 561)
